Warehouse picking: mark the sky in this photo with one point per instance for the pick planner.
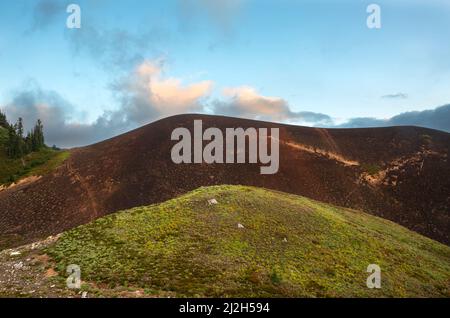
(312, 63)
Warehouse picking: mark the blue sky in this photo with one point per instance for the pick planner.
(135, 61)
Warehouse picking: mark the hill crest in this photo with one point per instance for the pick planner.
(401, 174)
(247, 242)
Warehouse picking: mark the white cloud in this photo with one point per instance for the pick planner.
(245, 101)
(146, 95)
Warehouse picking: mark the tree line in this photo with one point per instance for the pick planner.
(18, 144)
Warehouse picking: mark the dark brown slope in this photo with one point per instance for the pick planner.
(411, 185)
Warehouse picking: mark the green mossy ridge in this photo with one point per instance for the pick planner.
(186, 247)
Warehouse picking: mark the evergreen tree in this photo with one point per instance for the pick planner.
(3, 121)
(29, 143)
(15, 143)
(19, 127)
(39, 132)
(18, 145)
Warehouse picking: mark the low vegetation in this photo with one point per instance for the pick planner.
(252, 243)
(371, 168)
(36, 163)
(16, 144)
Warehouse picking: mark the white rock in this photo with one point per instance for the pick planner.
(240, 226)
(18, 265)
(84, 294)
(212, 201)
(15, 253)
(285, 240)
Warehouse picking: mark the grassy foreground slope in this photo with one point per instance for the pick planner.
(289, 246)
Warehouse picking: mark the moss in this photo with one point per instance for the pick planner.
(371, 168)
(290, 246)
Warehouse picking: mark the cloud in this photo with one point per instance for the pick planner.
(438, 118)
(45, 12)
(245, 102)
(144, 95)
(395, 96)
(115, 49)
(360, 122)
(58, 117)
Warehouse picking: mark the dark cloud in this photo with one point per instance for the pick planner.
(112, 49)
(360, 122)
(45, 12)
(57, 115)
(395, 96)
(312, 117)
(438, 118)
(115, 49)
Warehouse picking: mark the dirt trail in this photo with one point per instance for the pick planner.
(85, 186)
(23, 181)
(317, 151)
(390, 173)
(328, 139)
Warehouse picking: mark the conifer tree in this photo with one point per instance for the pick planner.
(18, 145)
(15, 143)
(3, 121)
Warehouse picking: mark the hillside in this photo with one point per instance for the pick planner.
(287, 246)
(34, 164)
(398, 173)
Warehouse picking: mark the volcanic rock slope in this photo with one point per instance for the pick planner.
(399, 173)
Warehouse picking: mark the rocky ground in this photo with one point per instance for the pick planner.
(27, 271)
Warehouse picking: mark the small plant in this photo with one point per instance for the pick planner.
(275, 277)
(426, 139)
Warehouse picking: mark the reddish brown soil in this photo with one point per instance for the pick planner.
(410, 185)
